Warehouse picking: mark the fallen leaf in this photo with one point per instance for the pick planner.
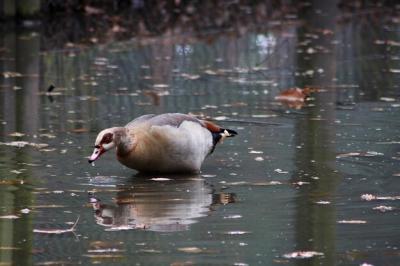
(295, 97)
(237, 232)
(103, 256)
(383, 208)
(210, 72)
(302, 254)
(387, 99)
(16, 134)
(352, 222)
(9, 217)
(10, 74)
(189, 76)
(80, 130)
(396, 71)
(160, 179)
(21, 144)
(369, 197)
(359, 154)
(194, 250)
(323, 202)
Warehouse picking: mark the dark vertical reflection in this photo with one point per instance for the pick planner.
(20, 109)
(314, 139)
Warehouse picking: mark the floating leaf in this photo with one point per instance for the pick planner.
(387, 99)
(194, 250)
(210, 72)
(280, 171)
(237, 232)
(9, 216)
(295, 97)
(323, 202)
(352, 222)
(383, 208)
(16, 134)
(359, 154)
(256, 152)
(9, 248)
(106, 250)
(369, 197)
(160, 179)
(396, 71)
(237, 216)
(302, 254)
(79, 130)
(25, 211)
(189, 76)
(160, 86)
(103, 256)
(10, 74)
(21, 144)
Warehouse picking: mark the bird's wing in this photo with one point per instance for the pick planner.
(172, 119)
(139, 120)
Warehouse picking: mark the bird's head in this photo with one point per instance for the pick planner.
(105, 141)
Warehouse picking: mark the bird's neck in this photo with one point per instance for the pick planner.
(122, 141)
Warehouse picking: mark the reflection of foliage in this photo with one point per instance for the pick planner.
(78, 21)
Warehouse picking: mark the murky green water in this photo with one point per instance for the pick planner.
(292, 180)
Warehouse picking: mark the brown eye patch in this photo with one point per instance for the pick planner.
(107, 138)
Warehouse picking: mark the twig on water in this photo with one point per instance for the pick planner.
(57, 231)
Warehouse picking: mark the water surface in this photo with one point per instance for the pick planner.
(294, 179)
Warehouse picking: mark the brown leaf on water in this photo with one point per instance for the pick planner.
(79, 130)
(295, 97)
(154, 96)
(12, 182)
(105, 245)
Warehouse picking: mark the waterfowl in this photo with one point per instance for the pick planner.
(166, 143)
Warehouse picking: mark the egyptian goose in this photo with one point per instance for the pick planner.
(166, 143)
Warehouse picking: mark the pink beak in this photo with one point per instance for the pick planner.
(96, 154)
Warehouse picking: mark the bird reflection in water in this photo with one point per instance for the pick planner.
(164, 206)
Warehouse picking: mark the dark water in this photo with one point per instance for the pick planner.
(294, 179)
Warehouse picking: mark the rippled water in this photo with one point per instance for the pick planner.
(322, 177)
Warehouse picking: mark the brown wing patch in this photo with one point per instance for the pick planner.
(212, 127)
